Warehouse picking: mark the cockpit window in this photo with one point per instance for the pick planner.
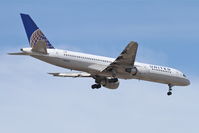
(184, 75)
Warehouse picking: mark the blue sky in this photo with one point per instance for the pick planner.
(33, 101)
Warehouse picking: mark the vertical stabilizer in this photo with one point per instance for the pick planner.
(34, 34)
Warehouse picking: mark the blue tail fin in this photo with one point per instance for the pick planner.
(34, 34)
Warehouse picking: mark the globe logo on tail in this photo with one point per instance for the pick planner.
(36, 36)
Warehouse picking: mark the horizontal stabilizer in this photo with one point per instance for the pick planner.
(19, 53)
(74, 75)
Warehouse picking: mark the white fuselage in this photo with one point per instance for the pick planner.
(96, 64)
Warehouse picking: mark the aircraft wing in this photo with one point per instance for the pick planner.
(125, 60)
(73, 75)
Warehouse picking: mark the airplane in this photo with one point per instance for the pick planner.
(104, 70)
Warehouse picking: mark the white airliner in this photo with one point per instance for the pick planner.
(106, 71)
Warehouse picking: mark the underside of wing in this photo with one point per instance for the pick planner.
(125, 60)
(73, 75)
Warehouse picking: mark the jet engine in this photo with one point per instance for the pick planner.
(110, 83)
(133, 70)
(137, 71)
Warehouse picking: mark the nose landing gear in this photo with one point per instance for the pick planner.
(169, 93)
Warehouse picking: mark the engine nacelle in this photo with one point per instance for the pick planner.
(132, 71)
(110, 83)
(137, 71)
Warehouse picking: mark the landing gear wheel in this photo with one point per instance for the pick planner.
(93, 86)
(169, 93)
(96, 86)
(170, 89)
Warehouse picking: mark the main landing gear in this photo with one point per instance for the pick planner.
(96, 86)
(169, 93)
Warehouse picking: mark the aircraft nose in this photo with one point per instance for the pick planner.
(187, 82)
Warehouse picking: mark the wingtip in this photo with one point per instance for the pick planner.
(23, 14)
(133, 42)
